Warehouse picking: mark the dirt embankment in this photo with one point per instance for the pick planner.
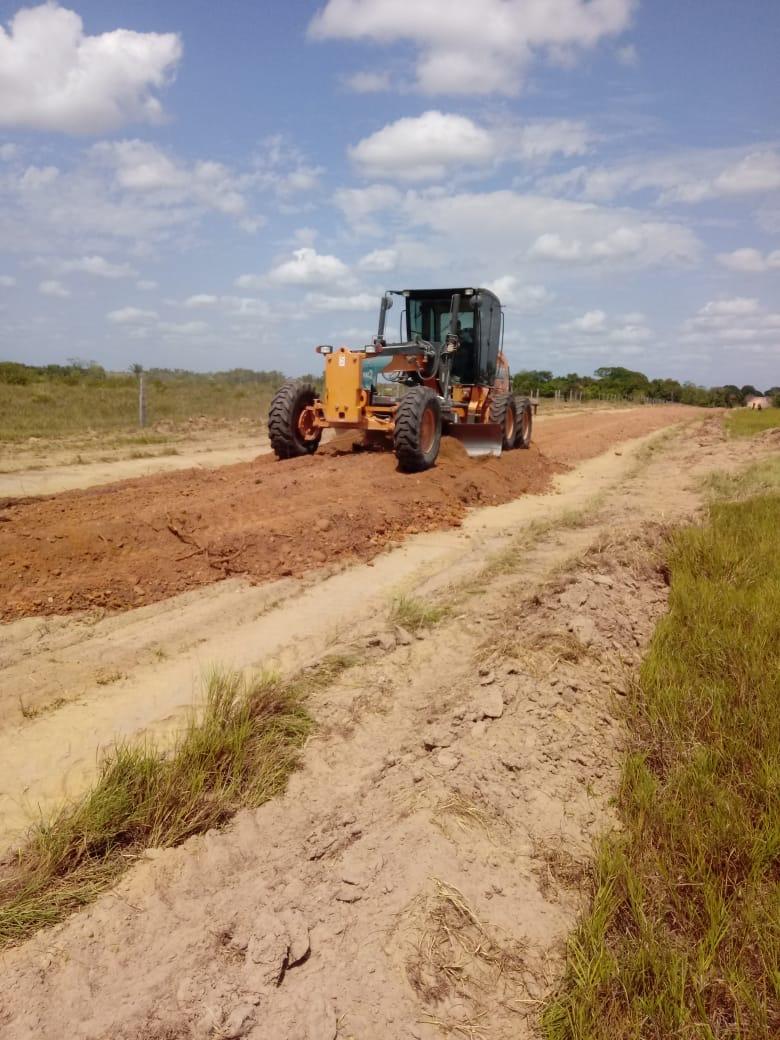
(132, 543)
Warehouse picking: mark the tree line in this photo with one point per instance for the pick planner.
(616, 383)
(610, 383)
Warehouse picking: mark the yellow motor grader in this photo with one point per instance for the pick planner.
(445, 375)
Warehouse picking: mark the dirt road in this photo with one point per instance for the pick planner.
(139, 541)
(446, 808)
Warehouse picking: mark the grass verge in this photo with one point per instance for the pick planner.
(237, 754)
(759, 479)
(744, 422)
(683, 936)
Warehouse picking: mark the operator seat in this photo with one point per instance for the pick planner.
(464, 361)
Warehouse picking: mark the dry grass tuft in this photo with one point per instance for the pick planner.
(464, 814)
(557, 868)
(458, 969)
(416, 614)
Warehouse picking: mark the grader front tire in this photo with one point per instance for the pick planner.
(417, 432)
(288, 435)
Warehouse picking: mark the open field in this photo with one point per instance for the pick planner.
(49, 409)
(745, 422)
(428, 860)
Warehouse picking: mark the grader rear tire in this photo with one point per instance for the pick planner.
(525, 422)
(503, 411)
(288, 439)
(417, 430)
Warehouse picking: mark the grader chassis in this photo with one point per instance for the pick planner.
(453, 377)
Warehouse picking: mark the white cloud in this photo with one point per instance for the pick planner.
(143, 168)
(250, 281)
(757, 172)
(590, 321)
(54, 77)
(738, 320)
(423, 147)
(379, 261)
(145, 284)
(201, 300)
(516, 296)
(323, 302)
(630, 334)
(249, 307)
(430, 146)
(479, 47)
(99, 267)
(281, 168)
(691, 176)
(627, 55)
(368, 82)
(501, 226)
(750, 260)
(131, 316)
(359, 205)
(738, 305)
(622, 242)
(51, 287)
(35, 177)
(552, 247)
(308, 267)
(183, 328)
(8, 151)
(7, 281)
(542, 139)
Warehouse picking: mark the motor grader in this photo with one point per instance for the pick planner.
(445, 375)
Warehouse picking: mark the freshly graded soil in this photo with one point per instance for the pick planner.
(132, 543)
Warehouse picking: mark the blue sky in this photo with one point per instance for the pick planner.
(205, 185)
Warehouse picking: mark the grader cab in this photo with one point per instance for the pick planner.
(446, 375)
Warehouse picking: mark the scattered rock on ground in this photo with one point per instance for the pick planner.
(491, 704)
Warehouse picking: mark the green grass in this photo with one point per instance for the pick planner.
(745, 422)
(415, 614)
(237, 753)
(49, 409)
(759, 479)
(683, 936)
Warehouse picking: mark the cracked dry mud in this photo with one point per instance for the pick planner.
(422, 871)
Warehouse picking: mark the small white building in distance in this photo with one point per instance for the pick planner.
(758, 403)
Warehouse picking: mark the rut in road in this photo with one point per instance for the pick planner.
(139, 541)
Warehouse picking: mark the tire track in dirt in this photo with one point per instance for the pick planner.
(139, 541)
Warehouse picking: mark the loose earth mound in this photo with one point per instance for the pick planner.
(138, 541)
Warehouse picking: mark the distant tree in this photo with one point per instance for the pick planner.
(734, 396)
(749, 391)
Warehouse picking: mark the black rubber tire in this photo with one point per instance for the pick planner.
(525, 422)
(499, 406)
(288, 403)
(413, 456)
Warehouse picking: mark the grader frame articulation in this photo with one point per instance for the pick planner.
(456, 381)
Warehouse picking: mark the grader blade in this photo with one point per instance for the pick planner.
(478, 438)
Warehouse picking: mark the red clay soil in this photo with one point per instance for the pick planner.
(132, 543)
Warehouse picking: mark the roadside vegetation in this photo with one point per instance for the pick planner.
(615, 383)
(747, 423)
(683, 935)
(63, 400)
(238, 753)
